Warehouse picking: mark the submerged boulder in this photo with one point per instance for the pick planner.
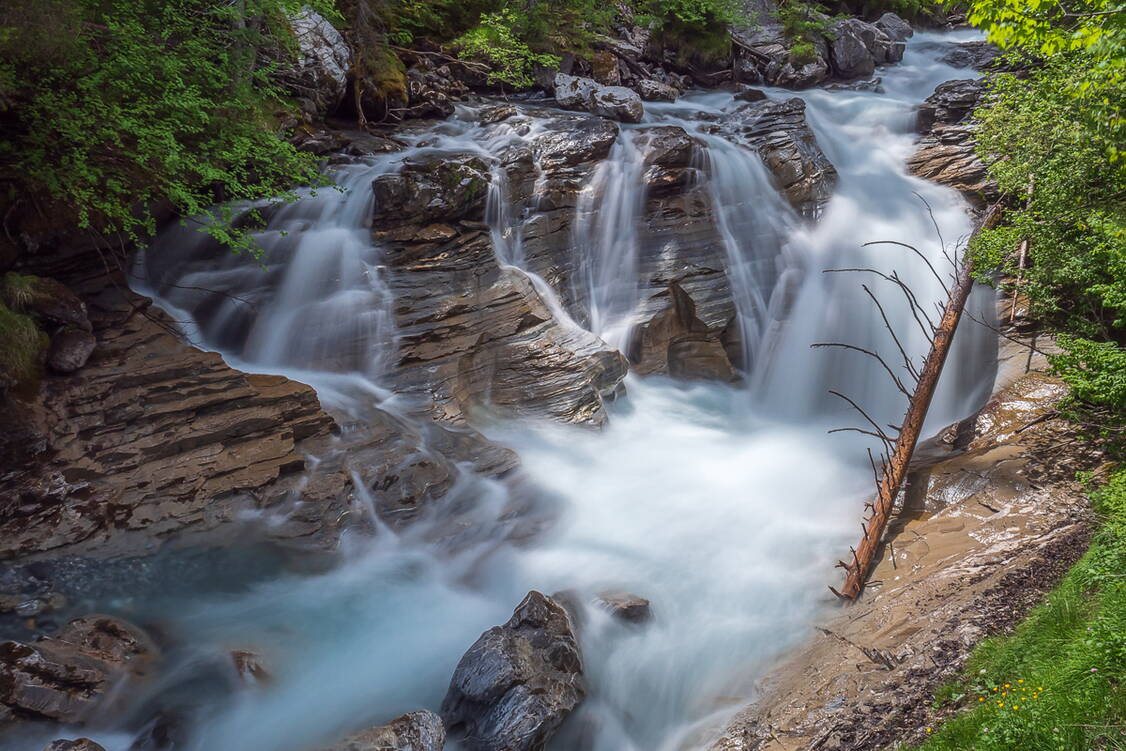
(614, 102)
(415, 731)
(625, 606)
(518, 682)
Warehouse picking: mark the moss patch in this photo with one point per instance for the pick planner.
(22, 349)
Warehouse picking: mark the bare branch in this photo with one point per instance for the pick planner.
(917, 252)
(898, 384)
(863, 414)
(887, 325)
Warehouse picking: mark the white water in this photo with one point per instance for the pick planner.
(725, 506)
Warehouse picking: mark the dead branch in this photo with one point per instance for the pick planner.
(895, 468)
(898, 384)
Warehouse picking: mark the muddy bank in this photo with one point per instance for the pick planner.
(983, 536)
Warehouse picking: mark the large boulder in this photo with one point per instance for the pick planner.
(73, 676)
(857, 47)
(518, 682)
(415, 731)
(895, 27)
(779, 132)
(614, 102)
(951, 103)
(765, 54)
(431, 187)
(318, 76)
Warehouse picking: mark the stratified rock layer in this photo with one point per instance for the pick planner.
(153, 438)
(945, 153)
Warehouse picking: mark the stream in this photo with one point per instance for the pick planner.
(725, 505)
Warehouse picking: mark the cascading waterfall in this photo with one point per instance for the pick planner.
(754, 222)
(606, 242)
(725, 506)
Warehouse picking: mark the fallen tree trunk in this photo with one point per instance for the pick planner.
(895, 467)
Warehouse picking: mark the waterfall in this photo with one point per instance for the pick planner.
(606, 241)
(725, 505)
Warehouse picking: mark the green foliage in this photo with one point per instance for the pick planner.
(1056, 165)
(114, 106)
(804, 23)
(496, 41)
(1059, 681)
(1094, 29)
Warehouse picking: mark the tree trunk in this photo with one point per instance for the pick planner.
(895, 470)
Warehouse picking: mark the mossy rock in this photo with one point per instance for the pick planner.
(23, 349)
(48, 301)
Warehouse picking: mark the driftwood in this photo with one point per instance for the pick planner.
(897, 458)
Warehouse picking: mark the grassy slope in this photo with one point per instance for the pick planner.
(1057, 682)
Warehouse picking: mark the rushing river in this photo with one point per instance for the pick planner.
(726, 506)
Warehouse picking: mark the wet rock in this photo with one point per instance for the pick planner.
(625, 606)
(249, 668)
(856, 48)
(473, 334)
(79, 744)
(571, 143)
(779, 132)
(978, 55)
(655, 91)
(416, 731)
(872, 84)
(672, 338)
(495, 114)
(614, 102)
(74, 675)
(946, 152)
(70, 348)
(895, 27)
(319, 75)
(750, 94)
(951, 103)
(187, 446)
(429, 188)
(518, 682)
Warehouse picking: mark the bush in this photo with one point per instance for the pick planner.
(111, 107)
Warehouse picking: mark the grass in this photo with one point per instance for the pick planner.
(21, 348)
(1057, 682)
